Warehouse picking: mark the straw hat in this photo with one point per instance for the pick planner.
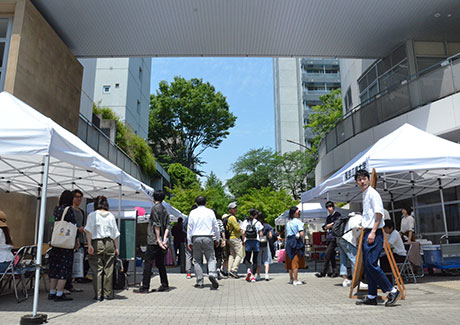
(3, 219)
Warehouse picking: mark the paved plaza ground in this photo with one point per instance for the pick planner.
(434, 300)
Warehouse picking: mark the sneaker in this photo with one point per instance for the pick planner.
(258, 277)
(267, 277)
(320, 275)
(233, 275)
(62, 298)
(362, 286)
(392, 298)
(51, 296)
(346, 283)
(199, 286)
(291, 281)
(297, 283)
(219, 276)
(214, 283)
(141, 290)
(253, 279)
(367, 301)
(248, 275)
(224, 273)
(189, 276)
(161, 288)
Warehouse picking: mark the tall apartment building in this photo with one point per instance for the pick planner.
(123, 84)
(299, 83)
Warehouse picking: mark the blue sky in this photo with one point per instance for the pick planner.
(248, 85)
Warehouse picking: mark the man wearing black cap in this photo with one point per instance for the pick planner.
(329, 255)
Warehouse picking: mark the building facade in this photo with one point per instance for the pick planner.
(123, 84)
(299, 83)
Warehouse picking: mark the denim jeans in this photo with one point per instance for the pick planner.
(347, 252)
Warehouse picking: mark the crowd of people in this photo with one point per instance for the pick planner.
(224, 242)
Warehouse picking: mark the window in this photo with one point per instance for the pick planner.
(140, 73)
(106, 89)
(138, 106)
(5, 35)
(348, 100)
(117, 85)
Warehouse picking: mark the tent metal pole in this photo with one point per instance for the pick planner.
(37, 215)
(443, 208)
(392, 208)
(41, 229)
(119, 206)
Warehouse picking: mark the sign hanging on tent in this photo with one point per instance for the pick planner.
(350, 173)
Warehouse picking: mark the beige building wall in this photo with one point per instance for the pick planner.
(42, 72)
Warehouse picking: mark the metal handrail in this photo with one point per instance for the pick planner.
(410, 79)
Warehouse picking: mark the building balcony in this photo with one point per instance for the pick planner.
(321, 77)
(99, 141)
(319, 61)
(428, 100)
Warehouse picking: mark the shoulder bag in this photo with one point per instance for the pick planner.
(64, 233)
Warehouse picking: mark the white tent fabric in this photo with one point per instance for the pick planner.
(40, 158)
(26, 136)
(408, 162)
(308, 212)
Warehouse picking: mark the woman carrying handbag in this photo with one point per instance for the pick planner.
(61, 259)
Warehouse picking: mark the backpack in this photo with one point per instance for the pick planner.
(120, 279)
(225, 223)
(338, 228)
(251, 231)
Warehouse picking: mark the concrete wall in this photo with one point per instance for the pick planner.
(87, 88)
(350, 71)
(41, 70)
(288, 104)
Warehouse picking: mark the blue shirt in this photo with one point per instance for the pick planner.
(293, 227)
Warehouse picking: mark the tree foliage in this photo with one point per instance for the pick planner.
(186, 118)
(295, 172)
(182, 177)
(271, 203)
(324, 118)
(136, 147)
(258, 168)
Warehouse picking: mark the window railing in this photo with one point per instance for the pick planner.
(431, 84)
(99, 141)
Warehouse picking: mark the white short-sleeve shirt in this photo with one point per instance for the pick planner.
(102, 224)
(372, 204)
(407, 224)
(396, 243)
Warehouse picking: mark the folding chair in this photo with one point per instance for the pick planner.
(16, 271)
(405, 268)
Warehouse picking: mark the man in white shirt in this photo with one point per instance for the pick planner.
(372, 223)
(407, 226)
(202, 227)
(396, 244)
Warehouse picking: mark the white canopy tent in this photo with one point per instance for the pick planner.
(40, 158)
(308, 212)
(408, 161)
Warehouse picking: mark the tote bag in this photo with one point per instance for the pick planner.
(64, 233)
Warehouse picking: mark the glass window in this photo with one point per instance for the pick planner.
(106, 89)
(3, 27)
(2, 53)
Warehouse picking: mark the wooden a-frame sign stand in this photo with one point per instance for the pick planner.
(359, 266)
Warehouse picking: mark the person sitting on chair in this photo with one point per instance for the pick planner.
(396, 244)
(5, 244)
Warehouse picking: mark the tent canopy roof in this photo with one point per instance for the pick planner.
(408, 162)
(26, 136)
(308, 212)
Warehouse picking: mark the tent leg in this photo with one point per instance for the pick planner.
(41, 228)
(392, 208)
(119, 205)
(443, 208)
(37, 214)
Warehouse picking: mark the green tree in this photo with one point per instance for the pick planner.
(257, 168)
(186, 118)
(182, 177)
(296, 170)
(323, 119)
(136, 147)
(271, 203)
(184, 198)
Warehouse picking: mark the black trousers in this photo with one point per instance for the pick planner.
(329, 257)
(154, 253)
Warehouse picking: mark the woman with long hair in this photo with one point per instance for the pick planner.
(251, 233)
(295, 248)
(102, 235)
(61, 259)
(6, 244)
(265, 255)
